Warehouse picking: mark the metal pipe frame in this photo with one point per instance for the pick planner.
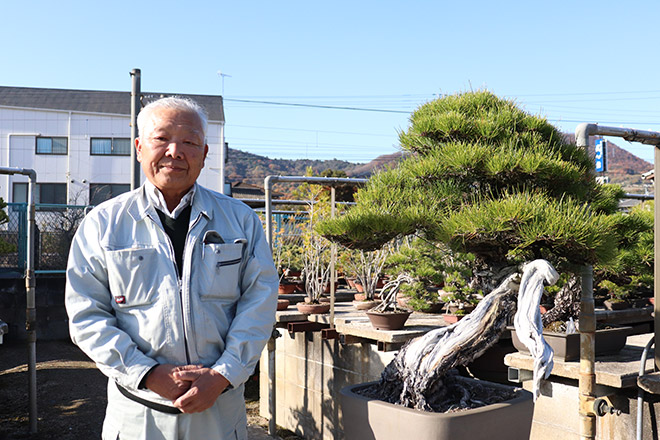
(587, 333)
(268, 187)
(31, 309)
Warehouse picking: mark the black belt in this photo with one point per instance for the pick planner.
(149, 404)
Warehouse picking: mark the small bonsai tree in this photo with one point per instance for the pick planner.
(367, 267)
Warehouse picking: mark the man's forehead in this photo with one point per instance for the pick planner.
(170, 118)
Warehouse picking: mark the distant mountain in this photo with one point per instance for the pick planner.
(252, 168)
(623, 167)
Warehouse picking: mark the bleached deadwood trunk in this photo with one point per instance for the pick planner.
(419, 378)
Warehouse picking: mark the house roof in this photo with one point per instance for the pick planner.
(96, 101)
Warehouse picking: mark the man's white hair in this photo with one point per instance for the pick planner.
(173, 103)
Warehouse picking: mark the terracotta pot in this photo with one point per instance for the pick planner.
(283, 304)
(350, 282)
(388, 320)
(359, 287)
(370, 419)
(359, 296)
(451, 318)
(286, 288)
(313, 309)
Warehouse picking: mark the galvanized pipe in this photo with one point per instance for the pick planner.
(587, 333)
(31, 309)
(640, 391)
(268, 185)
(587, 377)
(135, 109)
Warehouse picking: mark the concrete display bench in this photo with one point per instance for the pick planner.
(314, 361)
(556, 410)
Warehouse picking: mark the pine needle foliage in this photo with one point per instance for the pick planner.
(488, 178)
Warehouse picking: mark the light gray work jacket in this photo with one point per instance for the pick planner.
(129, 308)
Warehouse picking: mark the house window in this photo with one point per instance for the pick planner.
(46, 193)
(110, 147)
(100, 192)
(52, 145)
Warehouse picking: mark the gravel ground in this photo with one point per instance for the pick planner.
(71, 395)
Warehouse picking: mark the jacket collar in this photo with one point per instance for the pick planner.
(140, 206)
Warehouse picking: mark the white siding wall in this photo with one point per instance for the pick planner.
(18, 130)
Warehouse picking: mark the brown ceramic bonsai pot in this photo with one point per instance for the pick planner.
(567, 346)
(388, 320)
(286, 288)
(452, 318)
(616, 304)
(370, 419)
(283, 304)
(313, 309)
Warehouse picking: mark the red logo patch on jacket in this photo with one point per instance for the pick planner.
(120, 299)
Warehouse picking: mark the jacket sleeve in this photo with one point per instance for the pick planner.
(253, 323)
(92, 323)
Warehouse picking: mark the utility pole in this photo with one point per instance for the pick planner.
(135, 109)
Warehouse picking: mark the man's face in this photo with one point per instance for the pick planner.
(172, 150)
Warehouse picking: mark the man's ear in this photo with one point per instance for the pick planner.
(206, 150)
(138, 149)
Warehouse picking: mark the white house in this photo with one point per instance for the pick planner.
(78, 142)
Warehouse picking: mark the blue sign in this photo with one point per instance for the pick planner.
(601, 155)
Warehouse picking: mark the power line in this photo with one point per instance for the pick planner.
(317, 106)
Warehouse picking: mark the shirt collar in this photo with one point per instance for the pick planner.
(158, 201)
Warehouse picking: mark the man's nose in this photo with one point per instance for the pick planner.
(174, 150)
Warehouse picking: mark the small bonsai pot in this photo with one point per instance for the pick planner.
(286, 288)
(283, 304)
(313, 309)
(611, 304)
(452, 318)
(388, 320)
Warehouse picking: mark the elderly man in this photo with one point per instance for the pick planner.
(172, 291)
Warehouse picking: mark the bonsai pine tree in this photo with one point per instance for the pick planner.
(483, 177)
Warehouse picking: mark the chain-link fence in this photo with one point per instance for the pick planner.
(55, 226)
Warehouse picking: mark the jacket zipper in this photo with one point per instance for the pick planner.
(179, 286)
(186, 249)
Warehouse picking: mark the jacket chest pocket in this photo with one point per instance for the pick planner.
(133, 276)
(221, 271)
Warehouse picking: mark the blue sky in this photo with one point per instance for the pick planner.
(589, 61)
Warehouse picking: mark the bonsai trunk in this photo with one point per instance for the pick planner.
(418, 376)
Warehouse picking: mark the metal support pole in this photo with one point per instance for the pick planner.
(587, 378)
(272, 399)
(31, 306)
(31, 312)
(268, 182)
(135, 109)
(333, 261)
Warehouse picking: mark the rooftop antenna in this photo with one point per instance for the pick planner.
(223, 75)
